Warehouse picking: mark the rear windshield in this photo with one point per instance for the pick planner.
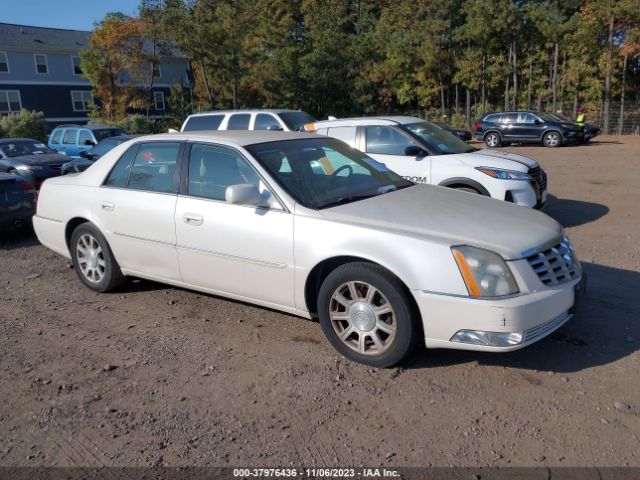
(295, 121)
(203, 122)
(102, 133)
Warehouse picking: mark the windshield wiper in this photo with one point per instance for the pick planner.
(346, 199)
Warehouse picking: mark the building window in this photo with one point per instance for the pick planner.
(81, 100)
(158, 99)
(41, 64)
(156, 70)
(75, 62)
(4, 63)
(10, 101)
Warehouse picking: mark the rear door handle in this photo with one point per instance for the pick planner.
(192, 219)
(108, 206)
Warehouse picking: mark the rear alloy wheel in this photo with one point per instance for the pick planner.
(492, 140)
(366, 314)
(552, 139)
(93, 260)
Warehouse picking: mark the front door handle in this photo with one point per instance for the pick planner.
(192, 219)
(108, 206)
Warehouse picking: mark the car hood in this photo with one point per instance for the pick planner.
(487, 155)
(42, 159)
(451, 217)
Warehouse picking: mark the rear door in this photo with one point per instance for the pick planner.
(135, 208)
(387, 144)
(509, 126)
(69, 145)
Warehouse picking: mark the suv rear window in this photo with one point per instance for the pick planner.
(203, 122)
(493, 118)
(509, 118)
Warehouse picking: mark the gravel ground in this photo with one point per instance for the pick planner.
(161, 376)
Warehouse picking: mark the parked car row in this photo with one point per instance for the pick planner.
(309, 225)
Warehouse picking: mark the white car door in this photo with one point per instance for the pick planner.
(135, 209)
(388, 145)
(240, 250)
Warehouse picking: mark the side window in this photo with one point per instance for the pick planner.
(386, 140)
(526, 118)
(203, 122)
(509, 118)
(84, 136)
(212, 169)
(154, 166)
(120, 173)
(265, 121)
(346, 134)
(70, 136)
(493, 118)
(56, 136)
(239, 121)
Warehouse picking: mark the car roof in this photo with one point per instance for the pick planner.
(240, 138)
(386, 120)
(246, 110)
(90, 127)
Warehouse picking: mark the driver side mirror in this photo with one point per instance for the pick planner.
(537, 122)
(415, 151)
(243, 194)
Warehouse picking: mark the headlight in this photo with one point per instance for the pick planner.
(504, 174)
(34, 168)
(485, 273)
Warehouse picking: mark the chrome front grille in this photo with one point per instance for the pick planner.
(555, 263)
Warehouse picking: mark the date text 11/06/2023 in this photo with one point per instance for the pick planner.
(315, 472)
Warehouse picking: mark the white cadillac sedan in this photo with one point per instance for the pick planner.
(307, 225)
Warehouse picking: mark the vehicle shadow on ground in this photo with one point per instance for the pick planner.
(604, 330)
(571, 213)
(15, 239)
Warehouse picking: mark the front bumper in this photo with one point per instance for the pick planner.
(537, 314)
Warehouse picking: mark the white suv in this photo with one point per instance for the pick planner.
(252, 119)
(422, 152)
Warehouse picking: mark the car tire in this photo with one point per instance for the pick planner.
(493, 140)
(552, 139)
(93, 259)
(367, 315)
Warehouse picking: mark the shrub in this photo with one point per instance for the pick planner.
(26, 123)
(135, 124)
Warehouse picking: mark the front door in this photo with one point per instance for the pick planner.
(135, 209)
(387, 144)
(238, 250)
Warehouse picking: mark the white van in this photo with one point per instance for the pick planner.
(253, 119)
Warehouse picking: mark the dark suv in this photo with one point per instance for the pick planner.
(497, 129)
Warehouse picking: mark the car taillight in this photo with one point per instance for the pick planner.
(477, 126)
(28, 188)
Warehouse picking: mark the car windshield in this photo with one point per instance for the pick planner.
(547, 117)
(104, 146)
(102, 133)
(25, 147)
(325, 172)
(295, 121)
(438, 139)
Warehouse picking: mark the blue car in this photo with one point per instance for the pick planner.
(72, 140)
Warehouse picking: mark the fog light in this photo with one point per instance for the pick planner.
(488, 339)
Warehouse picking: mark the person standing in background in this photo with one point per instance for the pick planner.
(581, 117)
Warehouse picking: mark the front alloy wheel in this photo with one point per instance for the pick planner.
(367, 314)
(552, 139)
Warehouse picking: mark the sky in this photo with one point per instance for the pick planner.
(69, 14)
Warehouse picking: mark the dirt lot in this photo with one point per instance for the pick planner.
(161, 376)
